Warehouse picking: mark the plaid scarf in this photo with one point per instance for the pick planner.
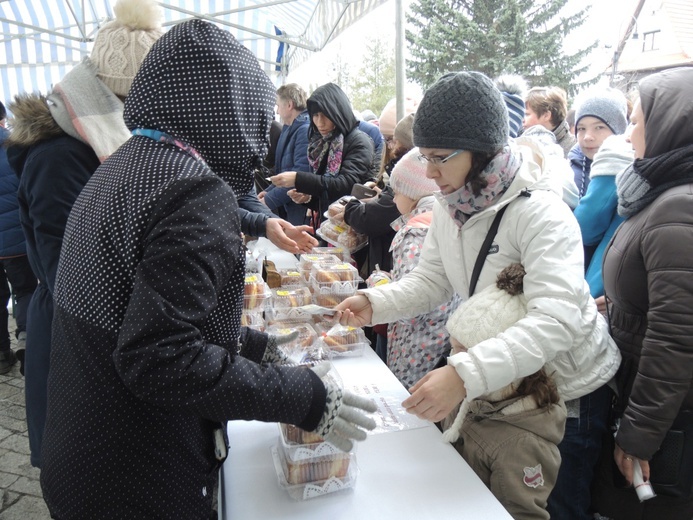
(646, 179)
(88, 111)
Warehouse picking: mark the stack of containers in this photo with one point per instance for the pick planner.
(256, 294)
(338, 233)
(307, 466)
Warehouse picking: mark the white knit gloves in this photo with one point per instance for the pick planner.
(343, 418)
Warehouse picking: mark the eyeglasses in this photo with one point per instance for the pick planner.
(439, 160)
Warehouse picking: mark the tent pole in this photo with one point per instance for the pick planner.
(400, 77)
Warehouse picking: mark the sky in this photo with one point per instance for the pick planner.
(607, 20)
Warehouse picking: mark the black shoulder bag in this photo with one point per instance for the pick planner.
(478, 265)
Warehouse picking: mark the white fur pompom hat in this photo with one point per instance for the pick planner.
(484, 316)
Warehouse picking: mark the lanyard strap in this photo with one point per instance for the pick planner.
(163, 137)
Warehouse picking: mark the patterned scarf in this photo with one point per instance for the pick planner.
(332, 145)
(87, 110)
(646, 179)
(499, 175)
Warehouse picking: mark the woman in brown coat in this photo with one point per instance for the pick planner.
(647, 278)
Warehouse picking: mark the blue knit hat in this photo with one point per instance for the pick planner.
(606, 104)
(514, 88)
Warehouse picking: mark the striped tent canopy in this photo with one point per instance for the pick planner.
(42, 39)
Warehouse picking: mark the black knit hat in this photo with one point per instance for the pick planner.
(462, 110)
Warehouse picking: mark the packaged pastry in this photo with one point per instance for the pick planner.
(290, 278)
(330, 231)
(331, 299)
(306, 262)
(337, 207)
(253, 319)
(295, 435)
(352, 240)
(339, 251)
(306, 335)
(335, 273)
(289, 297)
(255, 292)
(344, 340)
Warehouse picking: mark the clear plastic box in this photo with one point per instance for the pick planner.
(306, 336)
(255, 292)
(291, 277)
(254, 320)
(340, 252)
(343, 341)
(288, 297)
(306, 261)
(314, 489)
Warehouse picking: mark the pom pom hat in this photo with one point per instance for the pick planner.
(462, 111)
(408, 177)
(121, 45)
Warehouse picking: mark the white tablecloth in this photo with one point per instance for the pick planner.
(407, 474)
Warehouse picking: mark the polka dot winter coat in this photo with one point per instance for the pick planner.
(148, 296)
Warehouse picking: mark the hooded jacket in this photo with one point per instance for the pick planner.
(12, 242)
(647, 276)
(148, 295)
(357, 153)
(562, 330)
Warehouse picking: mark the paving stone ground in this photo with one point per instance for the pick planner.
(20, 492)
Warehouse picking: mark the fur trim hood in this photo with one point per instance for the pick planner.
(32, 121)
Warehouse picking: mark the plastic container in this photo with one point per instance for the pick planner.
(306, 262)
(343, 341)
(314, 489)
(255, 293)
(289, 297)
(254, 320)
(306, 336)
(340, 252)
(290, 277)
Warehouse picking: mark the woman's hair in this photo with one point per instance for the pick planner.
(294, 93)
(387, 156)
(480, 160)
(548, 99)
(541, 387)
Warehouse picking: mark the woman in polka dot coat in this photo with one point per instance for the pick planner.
(148, 293)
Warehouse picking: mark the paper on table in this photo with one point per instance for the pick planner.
(390, 416)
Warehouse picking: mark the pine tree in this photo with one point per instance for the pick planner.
(494, 36)
(374, 85)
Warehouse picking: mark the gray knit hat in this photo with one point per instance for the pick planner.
(607, 104)
(462, 110)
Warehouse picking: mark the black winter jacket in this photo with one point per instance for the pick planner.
(149, 291)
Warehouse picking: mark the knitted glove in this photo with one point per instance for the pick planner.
(343, 414)
(273, 354)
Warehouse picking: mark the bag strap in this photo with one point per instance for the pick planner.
(483, 252)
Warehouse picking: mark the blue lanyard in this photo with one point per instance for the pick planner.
(163, 137)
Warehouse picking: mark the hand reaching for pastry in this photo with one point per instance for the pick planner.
(286, 236)
(344, 420)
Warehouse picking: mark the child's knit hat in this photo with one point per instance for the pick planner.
(485, 315)
(403, 132)
(514, 89)
(408, 177)
(121, 45)
(607, 104)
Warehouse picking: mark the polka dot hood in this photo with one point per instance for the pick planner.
(214, 117)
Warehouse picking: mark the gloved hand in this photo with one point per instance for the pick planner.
(343, 414)
(273, 354)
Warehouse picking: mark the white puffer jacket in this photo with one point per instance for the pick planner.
(562, 329)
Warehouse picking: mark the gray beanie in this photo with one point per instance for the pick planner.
(606, 104)
(462, 110)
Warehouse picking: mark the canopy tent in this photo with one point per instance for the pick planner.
(42, 39)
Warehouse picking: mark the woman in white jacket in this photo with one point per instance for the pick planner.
(461, 128)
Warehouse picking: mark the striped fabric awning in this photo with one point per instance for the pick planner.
(42, 39)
